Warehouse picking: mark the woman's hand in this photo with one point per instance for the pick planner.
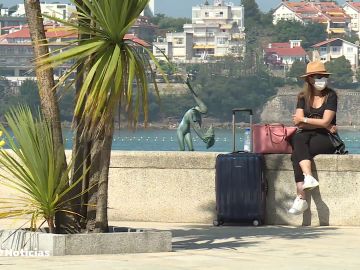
(332, 128)
(297, 119)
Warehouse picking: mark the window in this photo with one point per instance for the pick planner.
(335, 49)
(349, 50)
(160, 51)
(178, 41)
(219, 14)
(221, 40)
(206, 14)
(196, 14)
(323, 49)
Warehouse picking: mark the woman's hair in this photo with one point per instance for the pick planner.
(308, 93)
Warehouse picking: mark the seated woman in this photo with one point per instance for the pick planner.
(315, 117)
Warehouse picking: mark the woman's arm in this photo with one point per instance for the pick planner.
(299, 114)
(325, 122)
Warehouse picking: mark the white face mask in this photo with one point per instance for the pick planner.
(320, 84)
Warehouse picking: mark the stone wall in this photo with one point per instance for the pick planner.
(281, 107)
(180, 187)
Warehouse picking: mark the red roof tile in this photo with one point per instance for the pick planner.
(355, 5)
(63, 33)
(282, 52)
(324, 42)
(280, 45)
(50, 33)
(318, 12)
(136, 40)
(327, 42)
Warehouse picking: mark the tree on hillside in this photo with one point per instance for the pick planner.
(168, 24)
(297, 69)
(29, 94)
(310, 34)
(4, 86)
(252, 12)
(286, 30)
(313, 33)
(12, 9)
(342, 75)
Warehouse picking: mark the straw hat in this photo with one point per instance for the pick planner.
(315, 67)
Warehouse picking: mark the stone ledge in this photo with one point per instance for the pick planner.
(184, 191)
(163, 160)
(328, 163)
(45, 244)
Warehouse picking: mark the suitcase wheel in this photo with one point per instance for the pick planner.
(256, 222)
(217, 223)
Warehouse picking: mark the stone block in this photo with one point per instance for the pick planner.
(28, 243)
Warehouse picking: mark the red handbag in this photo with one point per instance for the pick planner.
(272, 138)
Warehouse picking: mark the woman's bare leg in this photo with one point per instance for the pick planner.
(299, 190)
(306, 166)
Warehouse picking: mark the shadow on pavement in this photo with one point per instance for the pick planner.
(228, 237)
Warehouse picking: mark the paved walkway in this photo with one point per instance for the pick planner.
(205, 247)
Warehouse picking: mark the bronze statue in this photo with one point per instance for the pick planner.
(192, 119)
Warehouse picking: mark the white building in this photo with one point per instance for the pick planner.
(150, 9)
(58, 10)
(4, 11)
(335, 48)
(283, 55)
(216, 30)
(352, 9)
(328, 13)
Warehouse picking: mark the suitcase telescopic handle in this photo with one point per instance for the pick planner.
(234, 111)
(242, 110)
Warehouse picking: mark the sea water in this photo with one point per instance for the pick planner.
(166, 140)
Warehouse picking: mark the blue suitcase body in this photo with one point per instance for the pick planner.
(240, 186)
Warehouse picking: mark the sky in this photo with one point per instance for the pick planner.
(176, 8)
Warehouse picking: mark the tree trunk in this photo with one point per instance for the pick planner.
(49, 104)
(81, 145)
(102, 196)
(97, 220)
(45, 78)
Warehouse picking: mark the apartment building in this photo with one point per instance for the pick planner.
(58, 10)
(328, 13)
(17, 56)
(8, 24)
(216, 30)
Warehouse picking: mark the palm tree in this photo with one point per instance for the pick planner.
(45, 78)
(46, 85)
(34, 169)
(112, 65)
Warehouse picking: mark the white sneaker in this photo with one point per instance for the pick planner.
(310, 182)
(299, 206)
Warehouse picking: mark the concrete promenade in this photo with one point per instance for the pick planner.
(197, 246)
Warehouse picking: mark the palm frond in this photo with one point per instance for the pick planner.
(116, 63)
(33, 168)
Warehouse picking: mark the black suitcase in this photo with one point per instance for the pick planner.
(240, 185)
